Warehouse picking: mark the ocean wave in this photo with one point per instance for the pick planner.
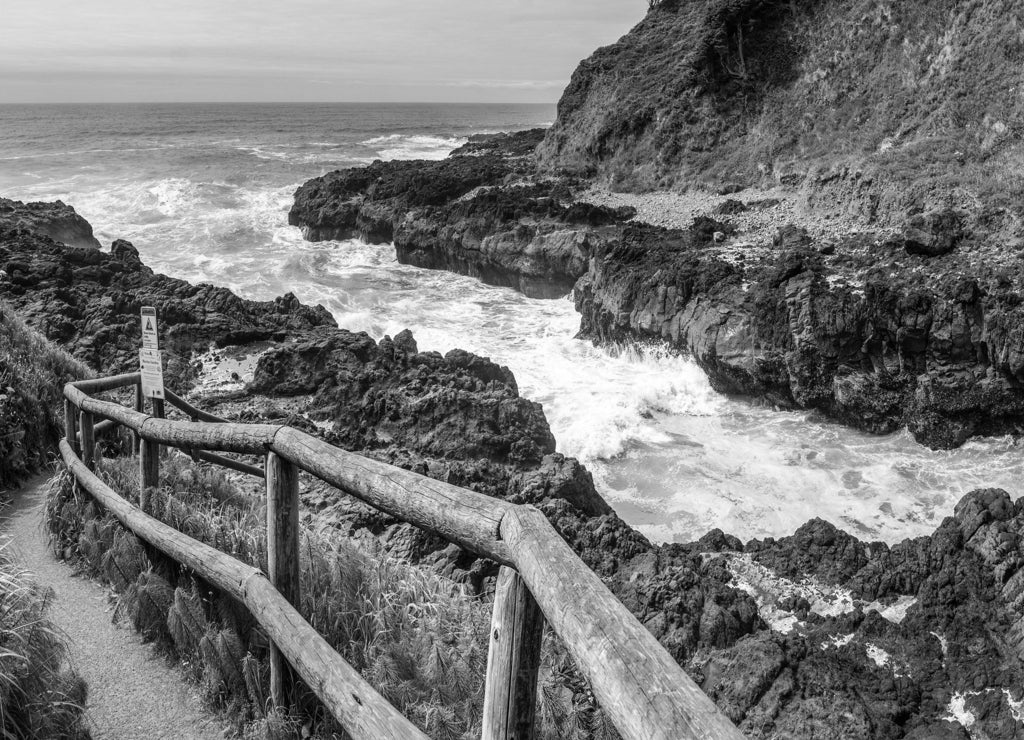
(414, 146)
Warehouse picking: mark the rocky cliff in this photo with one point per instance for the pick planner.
(56, 220)
(471, 213)
(818, 635)
(87, 301)
(872, 334)
(879, 108)
(880, 330)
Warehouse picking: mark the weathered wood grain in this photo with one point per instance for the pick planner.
(189, 410)
(282, 554)
(643, 690)
(71, 424)
(251, 439)
(227, 462)
(88, 437)
(364, 713)
(139, 406)
(100, 385)
(513, 661)
(464, 517)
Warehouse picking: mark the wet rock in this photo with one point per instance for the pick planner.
(56, 220)
(461, 214)
(88, 301)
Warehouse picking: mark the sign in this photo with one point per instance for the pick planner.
(151, 364)
(149, 337)
(151, 359)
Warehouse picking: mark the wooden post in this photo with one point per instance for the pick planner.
(88, 433)
(510, 693)
(282, 554)
(71, 425)
(140, 406)
(149, 460)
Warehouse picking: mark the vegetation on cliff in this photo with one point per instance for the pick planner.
(32, 376)
(894, 106)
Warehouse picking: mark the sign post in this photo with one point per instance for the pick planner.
(150, 357)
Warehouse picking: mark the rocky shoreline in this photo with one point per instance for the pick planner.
(916, 328)
(814, 635)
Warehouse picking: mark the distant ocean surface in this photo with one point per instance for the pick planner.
(203, 191)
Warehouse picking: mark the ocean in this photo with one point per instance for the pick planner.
(203, 192)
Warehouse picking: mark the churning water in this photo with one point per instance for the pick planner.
(203, 191)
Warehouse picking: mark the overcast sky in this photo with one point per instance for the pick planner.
(300, 50)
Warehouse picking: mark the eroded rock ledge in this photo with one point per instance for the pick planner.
(921, 328)
(818, 635)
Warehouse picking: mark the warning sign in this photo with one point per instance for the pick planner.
(149, 335)
(151, 365)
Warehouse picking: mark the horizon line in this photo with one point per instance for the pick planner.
(272, 102)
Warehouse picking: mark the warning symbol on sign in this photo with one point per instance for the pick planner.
(149, 334)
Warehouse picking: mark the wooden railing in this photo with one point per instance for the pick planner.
(641, 688)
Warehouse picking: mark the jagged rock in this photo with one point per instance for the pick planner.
(457, 215)
(56, 220)
(940, 357)
(933, 234)
(88, 301)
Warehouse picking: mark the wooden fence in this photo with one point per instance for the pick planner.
(640, 687)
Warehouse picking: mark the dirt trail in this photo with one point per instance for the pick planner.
(133, 694)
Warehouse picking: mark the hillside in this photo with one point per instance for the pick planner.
(875, 108)
(32, 375)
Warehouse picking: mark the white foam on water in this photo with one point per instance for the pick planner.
(673, 457)
(414, 146)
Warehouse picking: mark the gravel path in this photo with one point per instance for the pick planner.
(133, 694)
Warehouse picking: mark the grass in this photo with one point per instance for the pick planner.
(40, 697)
(418, 638)
(32, 375)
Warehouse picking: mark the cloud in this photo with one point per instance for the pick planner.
(430, 49)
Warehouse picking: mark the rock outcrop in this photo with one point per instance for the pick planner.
(874, 109)
(88, 301)
(868, 333)
(466, 214)
(56, 220)
(818, 635)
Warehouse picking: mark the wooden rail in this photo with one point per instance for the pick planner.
(642, 689)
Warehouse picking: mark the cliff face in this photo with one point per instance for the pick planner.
(870, 334)
(879, 107)
(56, 220)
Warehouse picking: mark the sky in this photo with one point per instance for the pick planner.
(301, 50)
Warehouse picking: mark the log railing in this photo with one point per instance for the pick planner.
(641, 688)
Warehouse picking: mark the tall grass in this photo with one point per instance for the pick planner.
(40, 697)
(417, 637)
(32, 375)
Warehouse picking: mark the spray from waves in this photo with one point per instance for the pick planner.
(417, 146)
(673, 457)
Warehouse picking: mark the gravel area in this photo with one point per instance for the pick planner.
(767, 210)
(133, 693)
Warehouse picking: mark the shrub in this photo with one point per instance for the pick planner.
(418, 638)
(40, 696)
(32, 375)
